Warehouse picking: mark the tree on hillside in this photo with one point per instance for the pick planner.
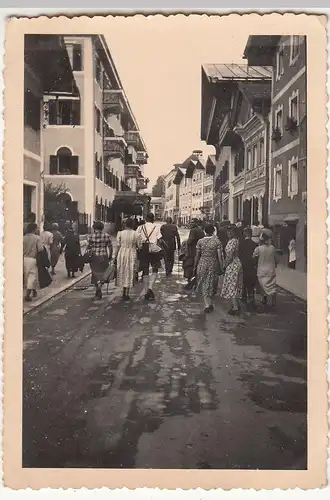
(159, 187)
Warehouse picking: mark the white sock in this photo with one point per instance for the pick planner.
(145, 283)
(152, 280)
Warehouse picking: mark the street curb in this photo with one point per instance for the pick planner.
(64, 287)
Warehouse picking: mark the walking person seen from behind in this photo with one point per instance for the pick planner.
(208, 265)
(100, 249)
(126, 258)
(266, 271)
(171, 237)
(56, 247)
(150, 254)
(72, 252)
(233, 280)
(249, 266)
(188, 259)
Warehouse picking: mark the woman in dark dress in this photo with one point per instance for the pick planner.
(72, 252)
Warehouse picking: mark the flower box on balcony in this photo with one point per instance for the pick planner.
(276, 135)
(291, 124)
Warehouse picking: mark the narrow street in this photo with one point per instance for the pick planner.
(161, 385)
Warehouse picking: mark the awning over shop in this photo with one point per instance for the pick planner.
(48, 56)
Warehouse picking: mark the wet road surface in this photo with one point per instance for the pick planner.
(161, 385)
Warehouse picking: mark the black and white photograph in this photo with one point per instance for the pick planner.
(165, 248)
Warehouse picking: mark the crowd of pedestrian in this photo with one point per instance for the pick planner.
(243, 255)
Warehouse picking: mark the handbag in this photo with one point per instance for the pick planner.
(110, 273)
(88, 255)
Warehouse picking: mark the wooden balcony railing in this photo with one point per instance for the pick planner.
(114, 147)
(132, 138)
(142, 157)
(141, 183)
(112, 101)
(132, 171)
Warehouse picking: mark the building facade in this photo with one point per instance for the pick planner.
(233, 121)
(288, 174)
(157, 205)
(92, 143)
(46, 69)
(171, 203)
(190, 176)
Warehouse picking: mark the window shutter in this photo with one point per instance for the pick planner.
(52, 112)
(53, 165)
(74, 165)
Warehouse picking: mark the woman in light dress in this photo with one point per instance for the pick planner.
(208, 266)
(233, 281)
(292, 253)
(266, 272)
(126, 258)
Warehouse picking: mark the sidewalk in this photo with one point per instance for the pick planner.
(60, 281)
(292, 281)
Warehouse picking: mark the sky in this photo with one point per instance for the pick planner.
(159, 62)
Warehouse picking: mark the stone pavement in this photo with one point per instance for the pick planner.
(113, 384)
(292, 280)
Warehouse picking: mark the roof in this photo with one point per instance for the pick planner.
(226, 72)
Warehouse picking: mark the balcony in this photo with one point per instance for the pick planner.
(132, 171)
(141, 183)
(114, 147)
(141, 158)
(113, 101)
(132, 138)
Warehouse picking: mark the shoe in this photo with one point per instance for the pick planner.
(233, 312)
(28, 298)
(98, 294)
(211, 308)
(151, 295)
(34, 293)
(208, 309)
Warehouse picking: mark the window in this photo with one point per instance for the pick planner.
(279, 119)
(261, 151)
(294, 106)
(97, 120)
(64, 112)
(63, 163)
(277, 182)
(32, 110)
(294, 48)
(293, 177)
(255, 156)
(279, 62)
(249, 159)
(77, 57)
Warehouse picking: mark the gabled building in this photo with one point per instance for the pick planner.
(224, 107)
(171, 203)
(288, 174)
(190, 178)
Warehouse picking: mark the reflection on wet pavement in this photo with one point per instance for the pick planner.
(161, 385)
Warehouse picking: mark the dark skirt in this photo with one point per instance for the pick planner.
(99, 265)
(72, 262)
